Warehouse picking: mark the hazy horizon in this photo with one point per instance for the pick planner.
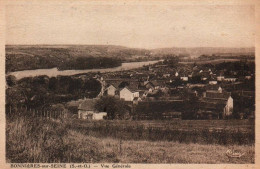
(133, 26)
(125, 46)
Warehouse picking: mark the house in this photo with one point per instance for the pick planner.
(86, 110)
(99, 115)
(216, 104)
(204, 78)
(230, 79)
(248, 77)
(213, 82)
(190, 75)
(111, 90)
(128, 94)
(158, 84)
(220, 78)
(149, 85)
(214, 88)
(184, 78)
(166, 75)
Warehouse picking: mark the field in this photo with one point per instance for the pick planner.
(64, 140)
(184, 131)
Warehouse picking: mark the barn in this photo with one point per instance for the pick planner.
(216, 104)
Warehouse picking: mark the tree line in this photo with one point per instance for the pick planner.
(42, 91)
(16, 62)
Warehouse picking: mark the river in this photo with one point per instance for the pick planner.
(53, 72)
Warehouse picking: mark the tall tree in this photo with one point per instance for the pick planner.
(115, 108)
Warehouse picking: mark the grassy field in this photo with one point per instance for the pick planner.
(44, 140)
(243, 125)
(223, 132)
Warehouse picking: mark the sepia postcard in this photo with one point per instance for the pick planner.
(129, 84)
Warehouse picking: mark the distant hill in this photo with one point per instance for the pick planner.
(120, 52)
(197, 51)
(76, 50)
(23, 57)
(65, 57)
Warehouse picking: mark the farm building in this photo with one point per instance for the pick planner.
(216, 104)
(86, 110)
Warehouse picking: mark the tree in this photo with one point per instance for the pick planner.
(171, 61)
(191, 104)
(11, 80)
(115, 108)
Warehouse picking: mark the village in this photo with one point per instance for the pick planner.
(172, 90)
(108, 84)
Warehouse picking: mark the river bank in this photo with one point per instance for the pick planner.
(53, 72)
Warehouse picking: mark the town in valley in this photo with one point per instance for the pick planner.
(109, 84)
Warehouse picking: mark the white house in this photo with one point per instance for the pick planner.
(228, 110)
(127, 94)
(230, 79)
(99, 115)
(184, 78)
(204, 78)
(213, 82)
(220, 78)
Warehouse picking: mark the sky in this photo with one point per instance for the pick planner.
(138, 26)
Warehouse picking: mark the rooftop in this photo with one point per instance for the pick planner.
(88, 105)
(217, 95)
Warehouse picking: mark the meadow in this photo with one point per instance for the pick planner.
(66, 140)
(222, 132)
